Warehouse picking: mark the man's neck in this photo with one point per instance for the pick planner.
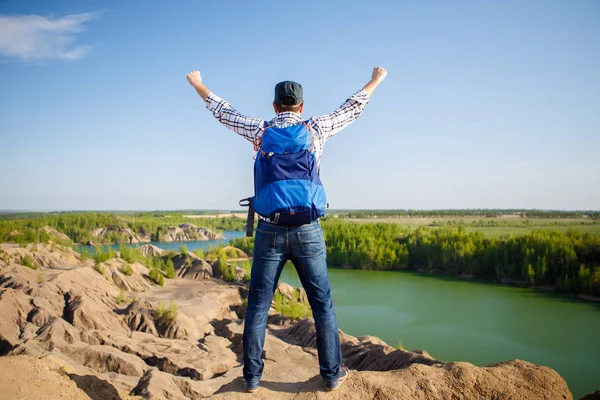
(287, 113)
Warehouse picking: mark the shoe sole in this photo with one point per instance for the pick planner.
(251, 390)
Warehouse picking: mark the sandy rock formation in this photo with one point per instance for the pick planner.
(158, 385)
(151, 250)
(139, 316)
(190, 266)
(37, 379)
(515, 379)
(234, 252)
(131, 236)
(188, 232)
(53, 233)
(69, 320)
(137, 282)
(86, 313)
(291, 292)
(14, 308)
(43, 255)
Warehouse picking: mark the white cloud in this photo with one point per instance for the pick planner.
(36, 38)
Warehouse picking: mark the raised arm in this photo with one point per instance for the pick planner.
(195, 80)
(378, 75)
(223, 111)
(332, 123)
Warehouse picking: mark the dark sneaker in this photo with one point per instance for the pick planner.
(334, 385)
(250, 387)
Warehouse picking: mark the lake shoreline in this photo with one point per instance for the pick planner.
(476, 279)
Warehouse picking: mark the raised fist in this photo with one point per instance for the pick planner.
(194, 78)
(379, 74)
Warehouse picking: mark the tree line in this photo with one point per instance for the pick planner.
(79, 226)
(568, 261)
(487, 213)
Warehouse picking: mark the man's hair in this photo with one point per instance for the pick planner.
(285, 108)
(288, 104)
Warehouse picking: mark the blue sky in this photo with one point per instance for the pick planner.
(486, 104)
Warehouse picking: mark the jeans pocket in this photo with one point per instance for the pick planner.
(264, 242)
(312, 243)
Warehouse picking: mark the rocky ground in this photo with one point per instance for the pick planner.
(68, 331)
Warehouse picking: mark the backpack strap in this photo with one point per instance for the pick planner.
(312, 136)
(258, 138)
(247, 202)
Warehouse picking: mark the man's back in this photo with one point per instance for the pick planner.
(278, 241)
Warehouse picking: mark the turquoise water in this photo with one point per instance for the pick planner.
(482, 323)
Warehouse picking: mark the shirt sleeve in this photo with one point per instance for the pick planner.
(332, 123)
(247, 127)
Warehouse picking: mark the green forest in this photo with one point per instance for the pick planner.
(568, 261)
(486, 213)
(78, 226)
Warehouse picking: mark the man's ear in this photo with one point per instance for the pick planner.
(301, 108)
(275, 108)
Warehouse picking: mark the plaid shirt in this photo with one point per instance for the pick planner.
(323, 127)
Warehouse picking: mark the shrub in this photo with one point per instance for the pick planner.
(156, 276)
(99, 268)
(184, 250)
(291, 308)
(4, 256)
(246, 244)
(85, 255)
(126, 269)
(43, 237)
(199, 253)
(131, 254)
(121, 298)
(166, 313)
(170, 269)
(29, 262)
(227, 271)
(101, 255)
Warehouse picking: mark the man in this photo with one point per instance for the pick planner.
(275, 243)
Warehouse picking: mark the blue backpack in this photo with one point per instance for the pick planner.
(287, 188)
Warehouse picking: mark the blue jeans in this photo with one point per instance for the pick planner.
(304, 245)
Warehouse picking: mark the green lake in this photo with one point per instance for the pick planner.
(482, 323)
